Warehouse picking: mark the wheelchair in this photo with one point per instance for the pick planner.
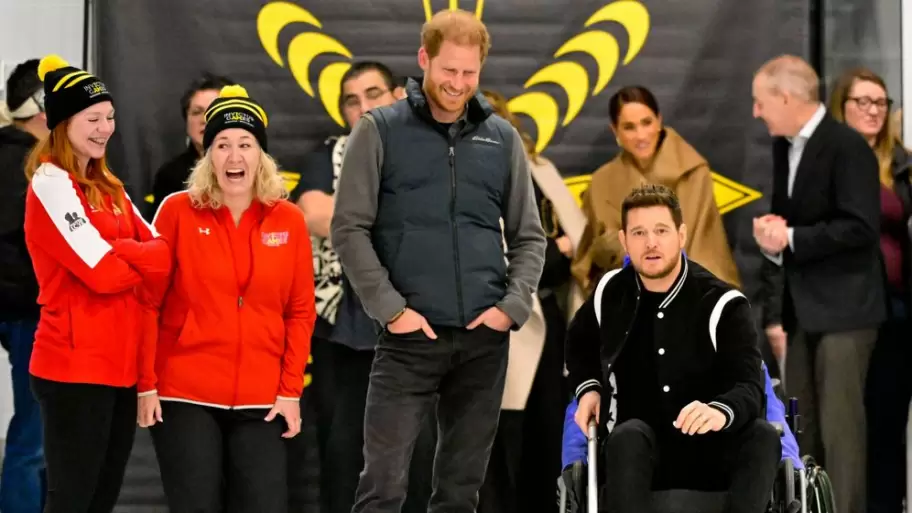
(805, 489)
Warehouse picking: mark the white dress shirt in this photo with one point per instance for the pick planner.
(796, 150)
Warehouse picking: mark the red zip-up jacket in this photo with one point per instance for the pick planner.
(236, 321)
(92, 266)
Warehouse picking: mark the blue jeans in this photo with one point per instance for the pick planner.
(22, 487)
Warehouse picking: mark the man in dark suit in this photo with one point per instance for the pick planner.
(823, 275)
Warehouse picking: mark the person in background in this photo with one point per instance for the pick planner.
(821, 244)
(526, 457)
(240, 305)
(344, 335)
(424, 188)
(651, 152)
(172, 175)
(860, 100)
(94, 256)
(22, 487)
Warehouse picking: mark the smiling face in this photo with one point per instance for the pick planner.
(866, 108)
(235, 157)
(772, 107)
(652, 241)
(90, 130)
(364, 92)
(638, 130)
(450, 78)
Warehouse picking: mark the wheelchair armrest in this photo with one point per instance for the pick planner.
(779, 428)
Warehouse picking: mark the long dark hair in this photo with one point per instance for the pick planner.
(631, 94)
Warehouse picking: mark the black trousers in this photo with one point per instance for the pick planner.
(308, 475)
(638, 462)
(501, 491)
(342, 458)
(887, 396)
(215, 461)
(526, 458)
(463, 373)
(88, 435)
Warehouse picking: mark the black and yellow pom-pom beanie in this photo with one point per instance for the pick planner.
(235, 109)
(68, 90)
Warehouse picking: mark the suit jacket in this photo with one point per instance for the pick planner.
(833, 279)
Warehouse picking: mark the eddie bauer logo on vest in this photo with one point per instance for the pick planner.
(74, 220)
(485, 140)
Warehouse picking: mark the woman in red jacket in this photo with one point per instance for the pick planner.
(93, 256)
(235, 324)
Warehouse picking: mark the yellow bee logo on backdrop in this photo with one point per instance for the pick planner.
(538, 105)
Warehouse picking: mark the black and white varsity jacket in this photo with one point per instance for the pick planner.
(706, 344)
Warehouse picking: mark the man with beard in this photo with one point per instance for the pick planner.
(683, 349)
(417, 227)
(344, 335)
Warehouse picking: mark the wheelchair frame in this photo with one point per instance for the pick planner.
(808, 477)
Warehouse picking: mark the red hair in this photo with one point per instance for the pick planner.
(97, 183)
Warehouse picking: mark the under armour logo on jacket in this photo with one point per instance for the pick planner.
(204, 231)
(74, 220)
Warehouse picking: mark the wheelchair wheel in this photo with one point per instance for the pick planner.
(783, 499)
(819, 488)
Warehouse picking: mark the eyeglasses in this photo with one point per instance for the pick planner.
(865, 102)
(371, 94)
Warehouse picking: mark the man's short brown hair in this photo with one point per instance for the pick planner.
(652, 195)
(456, 26)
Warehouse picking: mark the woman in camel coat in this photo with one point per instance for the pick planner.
(650, 153)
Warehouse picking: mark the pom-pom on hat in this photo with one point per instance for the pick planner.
(68, 90)
(235, 109)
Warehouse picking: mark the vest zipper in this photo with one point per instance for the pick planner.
(462, 318)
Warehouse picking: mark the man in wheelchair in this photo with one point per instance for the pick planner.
(683, 349)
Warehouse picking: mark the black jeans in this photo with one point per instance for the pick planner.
(501, 491)
(88, 434)
(215, 460)
(342, 457)
(463, 371)
(526, 457)
(637, 462)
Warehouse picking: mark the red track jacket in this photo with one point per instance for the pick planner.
(92, 267)
(235, 324)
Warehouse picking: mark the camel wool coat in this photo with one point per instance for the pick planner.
(678, 166)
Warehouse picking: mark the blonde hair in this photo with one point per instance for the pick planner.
(792, 75)
(204, 191)
(456, 26)
(886, 139)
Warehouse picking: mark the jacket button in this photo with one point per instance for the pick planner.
(666, 388)
(660, 315)
(661, 350)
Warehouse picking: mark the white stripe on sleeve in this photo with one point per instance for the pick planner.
(57, 194)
